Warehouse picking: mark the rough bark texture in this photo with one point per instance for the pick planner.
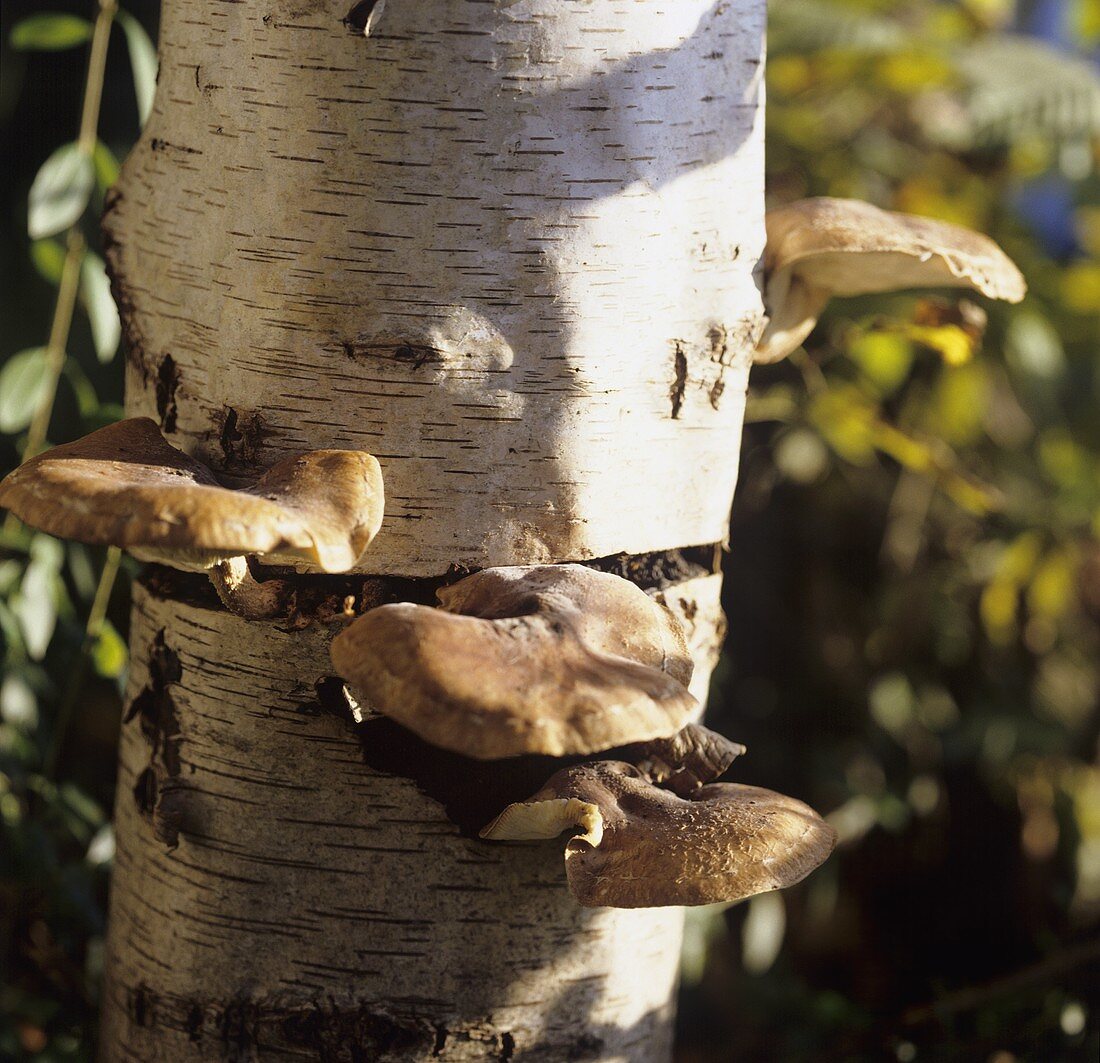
(275, 897)
(508, 248)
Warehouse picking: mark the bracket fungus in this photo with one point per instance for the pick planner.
(818, 248)
(687, 760)
(125, 485)
(640, 846)
(551, 659)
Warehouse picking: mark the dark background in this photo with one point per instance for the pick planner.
(913, 584)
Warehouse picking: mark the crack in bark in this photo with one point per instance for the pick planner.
(168, 379)
(246, 1028)
(241, 437)
(324, 599)
(679, 380)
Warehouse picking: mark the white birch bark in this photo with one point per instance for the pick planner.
(509, 249)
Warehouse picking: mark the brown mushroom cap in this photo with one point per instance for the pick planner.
(644, 847)
(687, 760)
(124, 485)
(818, 248)
(552, 659)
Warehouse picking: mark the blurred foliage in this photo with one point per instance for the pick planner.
(913, 590)
(62, 652)
(914, 582)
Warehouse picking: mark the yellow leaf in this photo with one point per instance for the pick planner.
(958, 404)
(1081, 287)
(109, 654)
(905, 450)
(998, 611)
(976, 499)
(846, 422)
(953, 345)
(884, 358)
(1019, 558)
(788, 75)
(1051, 591)
(912, 72)
(1062, 458)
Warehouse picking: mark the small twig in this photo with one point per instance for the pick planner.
(975, 996)
(906, 519)
(58, 342)
(69, 283)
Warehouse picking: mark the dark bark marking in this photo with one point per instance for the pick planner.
(409, 354)
(196, 1018)
(168, 379)
(145, 792)
(363, 17)
(322, 1031)
(159, 144)
(142, 1006)
(241, 436)
(507, 1047)
(679, 380)
(718, 342)
(154, 708)
(159, 797)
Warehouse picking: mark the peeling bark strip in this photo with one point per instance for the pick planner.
(515, 211)
(467, 236)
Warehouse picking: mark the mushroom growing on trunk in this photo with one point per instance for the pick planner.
(641, 846)
(552, 659)
(818, 248)
(125, 485)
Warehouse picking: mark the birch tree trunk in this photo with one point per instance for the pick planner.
(509, 249)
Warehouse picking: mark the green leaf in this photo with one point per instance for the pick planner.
(9, 629)
(1014, 88)
(36, 603)
(18, 703)
(60, 192)
(50, 32)
(810, 25)
(95, 292)
(109, 653)
(24, 381)
(48, 257)
(106, 166)
(143, 63)
(884, 357)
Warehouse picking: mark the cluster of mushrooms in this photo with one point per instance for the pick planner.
(560, 660)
